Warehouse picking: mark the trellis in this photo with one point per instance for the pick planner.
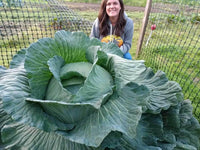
(25, 21)
(174, 46)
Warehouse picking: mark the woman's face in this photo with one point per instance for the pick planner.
(113, 8)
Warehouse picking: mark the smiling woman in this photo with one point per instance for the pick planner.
(113, 25)
(113, 8)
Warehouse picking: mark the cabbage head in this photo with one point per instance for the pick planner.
(71, 92)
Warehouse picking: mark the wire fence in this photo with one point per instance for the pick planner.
(174, 46)
(25, 21)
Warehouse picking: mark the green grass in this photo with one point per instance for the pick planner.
(182, 2)
(140, 3)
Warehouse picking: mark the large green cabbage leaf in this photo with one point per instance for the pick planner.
(71, 92)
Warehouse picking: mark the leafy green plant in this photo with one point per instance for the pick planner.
(14, 3)
(153, 19)
(76, 93)
(175, 19)
(171, 19)
(195, 19)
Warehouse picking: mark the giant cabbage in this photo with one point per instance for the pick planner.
(71, 92)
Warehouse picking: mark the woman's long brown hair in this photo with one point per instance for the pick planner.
(104, 27)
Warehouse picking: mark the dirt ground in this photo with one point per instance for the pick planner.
(92, 6)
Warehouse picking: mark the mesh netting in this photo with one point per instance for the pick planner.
(174, 46)
(23, 22)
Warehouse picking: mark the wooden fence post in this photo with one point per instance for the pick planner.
(144, 25)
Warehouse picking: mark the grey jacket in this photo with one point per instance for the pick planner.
(127, 36)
